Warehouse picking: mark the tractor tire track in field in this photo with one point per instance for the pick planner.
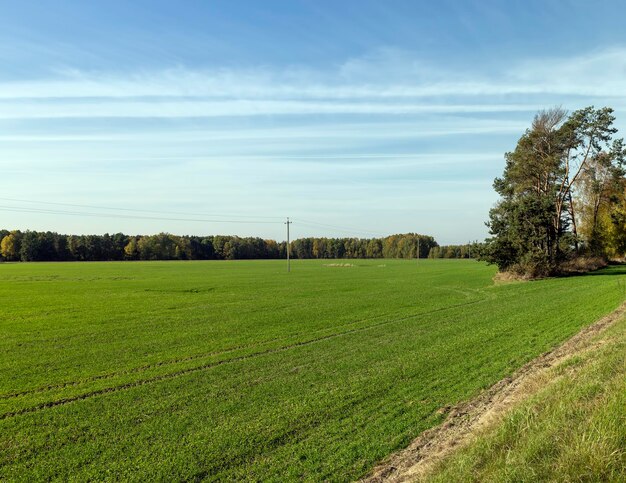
(210, 365)
(178, 360)
(154, 365)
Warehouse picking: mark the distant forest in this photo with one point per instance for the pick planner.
(31, 246)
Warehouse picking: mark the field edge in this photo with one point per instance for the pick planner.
(424, 453)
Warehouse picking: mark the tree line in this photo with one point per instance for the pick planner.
(393, 246)
(562, 194)
(30, 246)
(469, 250)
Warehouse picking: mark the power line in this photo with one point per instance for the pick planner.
(133, 217)
(250, 219)
(137, 210)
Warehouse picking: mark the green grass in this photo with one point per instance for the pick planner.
(573, 429)
(238, 370)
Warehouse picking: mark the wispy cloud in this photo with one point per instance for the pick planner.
(232, 108)
(383, 75)
(369, 136)
(387, 83)
(412, 128)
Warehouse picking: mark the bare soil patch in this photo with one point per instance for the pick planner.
(416, 461)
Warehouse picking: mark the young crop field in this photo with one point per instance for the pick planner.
(239, 370)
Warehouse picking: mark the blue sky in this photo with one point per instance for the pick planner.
(354, 118)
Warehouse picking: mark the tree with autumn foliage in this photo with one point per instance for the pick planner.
(557, 182)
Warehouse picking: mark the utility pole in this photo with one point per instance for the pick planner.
(288, 247)
(418, 250)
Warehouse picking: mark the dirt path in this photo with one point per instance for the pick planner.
(414, 462)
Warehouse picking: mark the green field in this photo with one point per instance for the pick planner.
(238, 370)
